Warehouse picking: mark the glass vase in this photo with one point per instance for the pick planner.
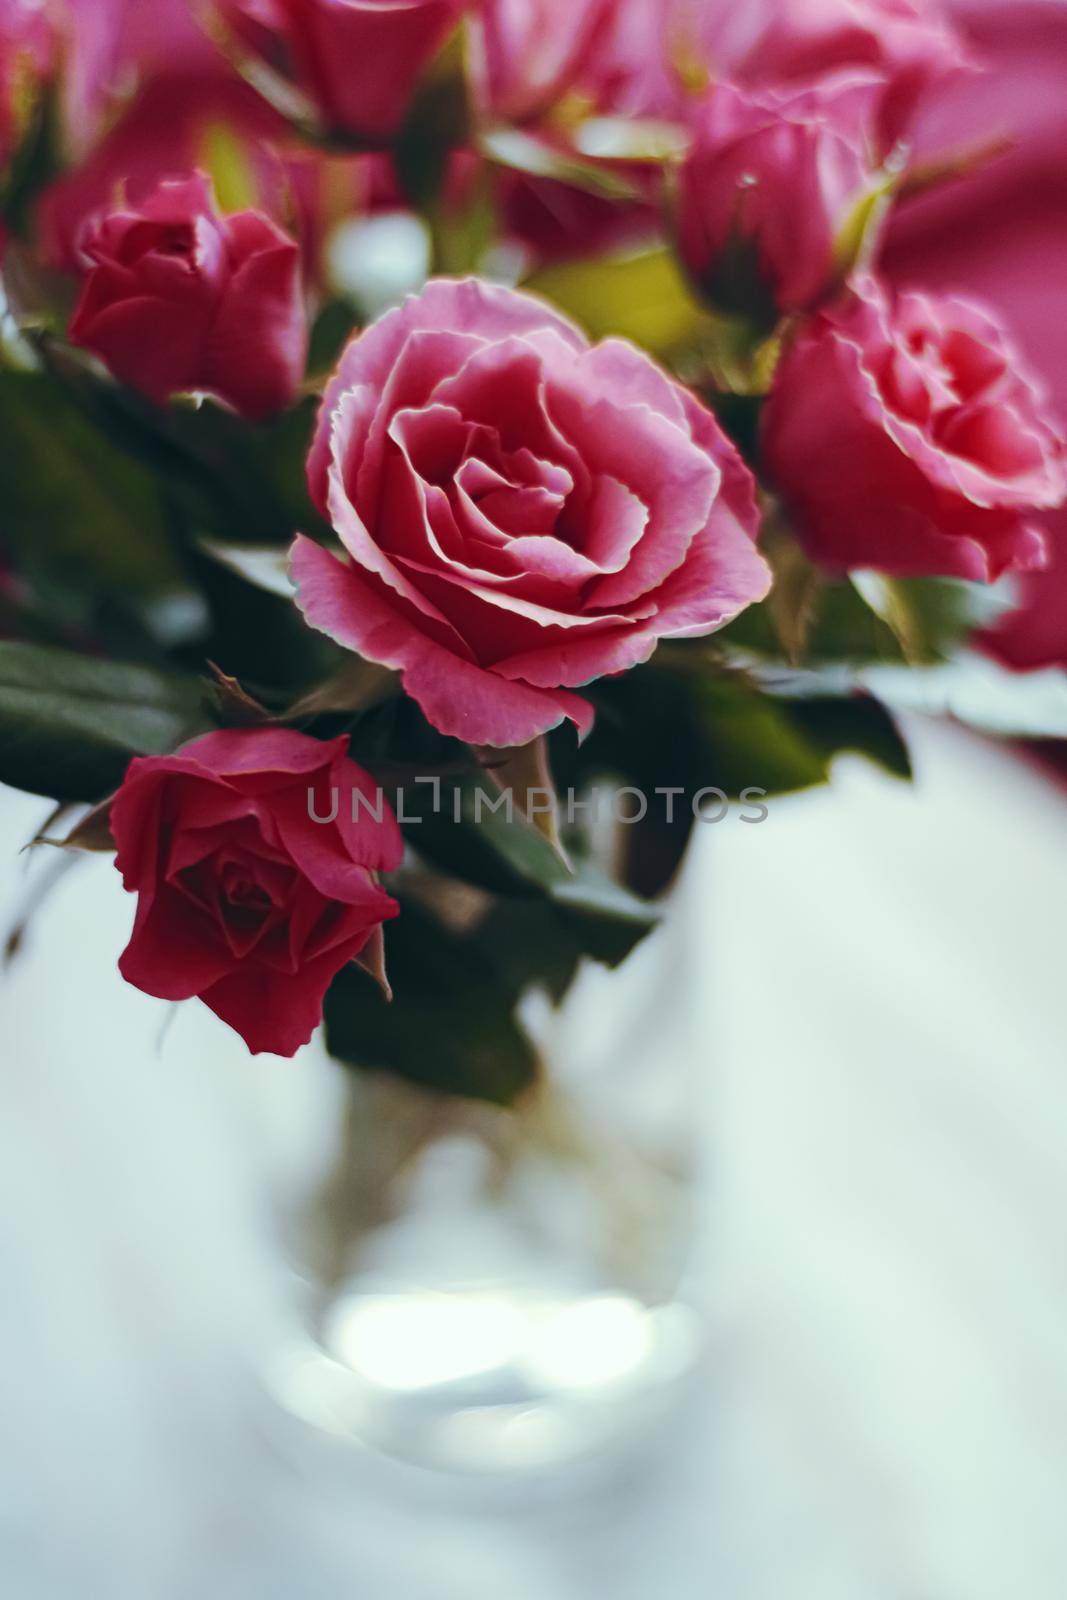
(512, 1291)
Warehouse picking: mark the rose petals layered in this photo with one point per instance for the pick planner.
(904, 434)
(244, 898)
(180, 299)
(768, 190)
(518, 513)
(1019, 265)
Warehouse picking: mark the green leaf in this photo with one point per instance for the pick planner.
(452, 1026)
(77, 510)
(538, 158)
(37, 158)
(466, 837)
(330, 332)
(644, 297)
(69, 724)
(438, 121)
(934, 616)
(542, 943)
(858, 240)
(464, 227)
(685, 723)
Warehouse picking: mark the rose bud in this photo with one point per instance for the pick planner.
(519, 513)
(905, 434)
(767, 194)
(357, 61)
(180, 121)
(243, 897)
(909, 45)
(179, 298)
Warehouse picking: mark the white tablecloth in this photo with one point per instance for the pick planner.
(886, 1418)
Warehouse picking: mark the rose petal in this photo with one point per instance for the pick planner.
(460, 699)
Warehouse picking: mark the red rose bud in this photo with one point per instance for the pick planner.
(906, 435)
(253, 855)
(357, 61)
(518, 513)
(179, 299)
(768, 194)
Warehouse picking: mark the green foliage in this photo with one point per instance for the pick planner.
(35, 161)
(643, 296)
(452, 1026)
(80, 515)
(870, 618)
(438, 121)
(69, 723)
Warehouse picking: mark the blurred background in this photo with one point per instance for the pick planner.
(878, 1033)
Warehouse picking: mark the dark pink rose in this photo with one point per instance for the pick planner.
(243, 898)
(905, 434)
(768, 190)
(358, 61)
(181, 121)
(168, 128)
(179, 298)
(527, 54)
(909, 44)
(519, 513)
(1002, 234)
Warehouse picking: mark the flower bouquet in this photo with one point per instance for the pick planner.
(453, 451)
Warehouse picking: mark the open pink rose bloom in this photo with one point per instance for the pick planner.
(518, 513)
(906, 435)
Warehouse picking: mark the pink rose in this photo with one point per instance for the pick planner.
(529, 53)
(358, 61)
(767, 191)
(179, 298)
(1002, 235)
(167, 129)
(908, 44)
(905, 434)
(242, 897)
(519, 513)
(177, 123)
